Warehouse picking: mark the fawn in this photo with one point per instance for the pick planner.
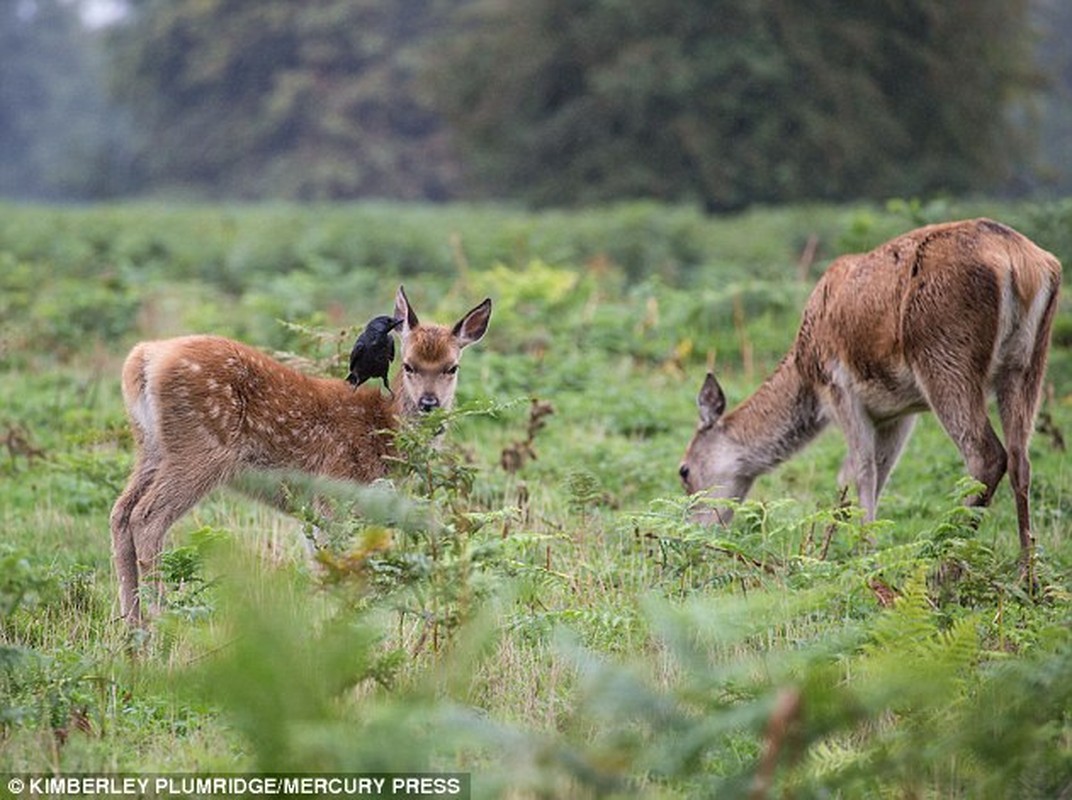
(205, 409)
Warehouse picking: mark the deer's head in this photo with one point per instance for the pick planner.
(430, 354)
(714, 461)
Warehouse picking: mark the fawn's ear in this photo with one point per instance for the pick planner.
(712, 402)
(404, 311)
(472, 326)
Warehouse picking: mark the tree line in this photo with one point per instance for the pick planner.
(723, 103)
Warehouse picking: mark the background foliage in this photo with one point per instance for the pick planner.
(757, 102)
(307, 101)
(60, 135)
(543, 101)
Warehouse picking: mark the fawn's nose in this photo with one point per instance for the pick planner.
(683, 471)
(428, 402)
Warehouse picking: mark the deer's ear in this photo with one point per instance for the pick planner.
(404, 311)
(712, 402)
(472, 326)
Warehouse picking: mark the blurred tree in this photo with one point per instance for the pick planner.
(731, 102)
(310, 100)
(1051, 118)
(58, 136)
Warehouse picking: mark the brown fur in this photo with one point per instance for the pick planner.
(205, 409)
(935, 319)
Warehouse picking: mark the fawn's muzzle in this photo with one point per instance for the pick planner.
(428, 402)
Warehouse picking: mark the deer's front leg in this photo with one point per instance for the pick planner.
(861, 463)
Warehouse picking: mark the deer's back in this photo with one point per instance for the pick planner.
(969, 294)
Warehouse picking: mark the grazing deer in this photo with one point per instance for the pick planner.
(935, 319)
(205, 409)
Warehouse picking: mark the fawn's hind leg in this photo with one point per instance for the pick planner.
(169, 494)
(124, 554)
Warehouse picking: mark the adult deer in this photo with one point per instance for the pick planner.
(205, 409)
(937, 319)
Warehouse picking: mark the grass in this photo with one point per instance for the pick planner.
(548, 620)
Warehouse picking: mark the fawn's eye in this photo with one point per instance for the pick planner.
(451, 370)
(408, 368)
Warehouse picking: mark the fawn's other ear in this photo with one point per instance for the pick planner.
(472, 326)
(404, 311)
(712, 402)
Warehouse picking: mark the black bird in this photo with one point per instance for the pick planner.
(373, 351)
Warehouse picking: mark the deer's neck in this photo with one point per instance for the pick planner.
(349, 436)
(370, 398)
(781, 417)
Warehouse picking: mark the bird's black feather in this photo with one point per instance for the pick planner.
(373, 351)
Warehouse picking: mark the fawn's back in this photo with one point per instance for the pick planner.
(210, 400)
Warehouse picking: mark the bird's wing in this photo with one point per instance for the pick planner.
(390, 349)
(356, 354)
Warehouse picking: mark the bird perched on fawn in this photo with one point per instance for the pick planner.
(373, 351)
(204, 409)
(938, 318)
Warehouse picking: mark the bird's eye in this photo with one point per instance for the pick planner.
(451, 370)
(409, 368)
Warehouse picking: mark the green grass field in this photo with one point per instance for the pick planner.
(531, 604)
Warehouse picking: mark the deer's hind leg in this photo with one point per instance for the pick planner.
(124, 554)
(961, 409)
(1018, 389)
(170, 492)
(951, 353)
(1017, 399)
